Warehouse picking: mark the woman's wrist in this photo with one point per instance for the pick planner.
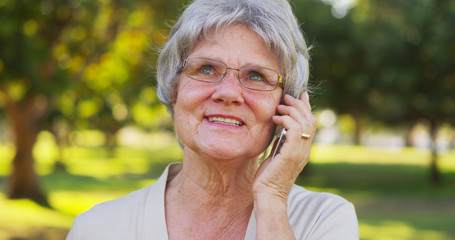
(272, 218)
(270, 199)
(276, 206)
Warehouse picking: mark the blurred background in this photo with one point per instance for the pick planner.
(80, 122)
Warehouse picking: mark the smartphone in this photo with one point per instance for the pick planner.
(281, 139)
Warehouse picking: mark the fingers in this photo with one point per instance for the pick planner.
(305, 98)
(282, 169)
(296, 117)
(299, 110)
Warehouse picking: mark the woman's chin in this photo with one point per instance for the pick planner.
(230, 152)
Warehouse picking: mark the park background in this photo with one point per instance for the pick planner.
(80, 122)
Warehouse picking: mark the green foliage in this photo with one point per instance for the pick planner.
(386, 60)
(89, 59)
(74, 64)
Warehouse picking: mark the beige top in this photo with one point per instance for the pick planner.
(140, 215)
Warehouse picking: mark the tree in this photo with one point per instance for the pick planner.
(30, 74)
(339, 72)
(415, 52)
(388, 61)
(71, 60)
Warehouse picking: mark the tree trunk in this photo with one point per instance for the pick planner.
(59, 165)
(60, 130)
(358, 129)
(110, 144)
(435, 175)
(23, 181)
(407, 137)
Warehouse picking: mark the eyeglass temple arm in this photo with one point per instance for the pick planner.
(280, 80)
(185, 62)
(183, 65)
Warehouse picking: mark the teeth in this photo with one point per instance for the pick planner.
(223, 120)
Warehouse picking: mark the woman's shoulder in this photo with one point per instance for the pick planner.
(127, 204)
(300, 195)
(117, 208)
(321, 215)
(118, 205)
(111, 219)
(122, 217)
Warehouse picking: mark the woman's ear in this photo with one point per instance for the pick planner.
(174, 98)
(176, 90)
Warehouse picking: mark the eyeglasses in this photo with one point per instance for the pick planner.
(250, 77)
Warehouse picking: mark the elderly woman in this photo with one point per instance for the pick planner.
(227, 75)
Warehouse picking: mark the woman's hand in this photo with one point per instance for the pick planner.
(276, 175)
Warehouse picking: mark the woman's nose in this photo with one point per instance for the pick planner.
(229, 90)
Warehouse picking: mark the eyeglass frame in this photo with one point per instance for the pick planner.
(279, 82)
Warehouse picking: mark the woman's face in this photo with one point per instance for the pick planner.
(207, 115)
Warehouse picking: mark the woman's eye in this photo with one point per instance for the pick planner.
(206, 69)
(254, 76)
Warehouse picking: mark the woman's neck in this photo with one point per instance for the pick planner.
(215, 192)
(215, 182)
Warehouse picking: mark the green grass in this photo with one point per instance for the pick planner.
(392, 201)
(390, 189)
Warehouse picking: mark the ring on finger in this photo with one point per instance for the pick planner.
(305, 136)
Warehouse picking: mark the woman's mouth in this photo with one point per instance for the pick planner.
(224, 120)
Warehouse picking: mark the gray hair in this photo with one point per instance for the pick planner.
(272, 20)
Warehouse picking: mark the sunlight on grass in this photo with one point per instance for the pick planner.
(447, 161)
(329, 190)
(45, 151)
(361, 154)
(73, 203)
(97, 162)
(394, 230)
(26, 213)
(92, 163)
(104, 168)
